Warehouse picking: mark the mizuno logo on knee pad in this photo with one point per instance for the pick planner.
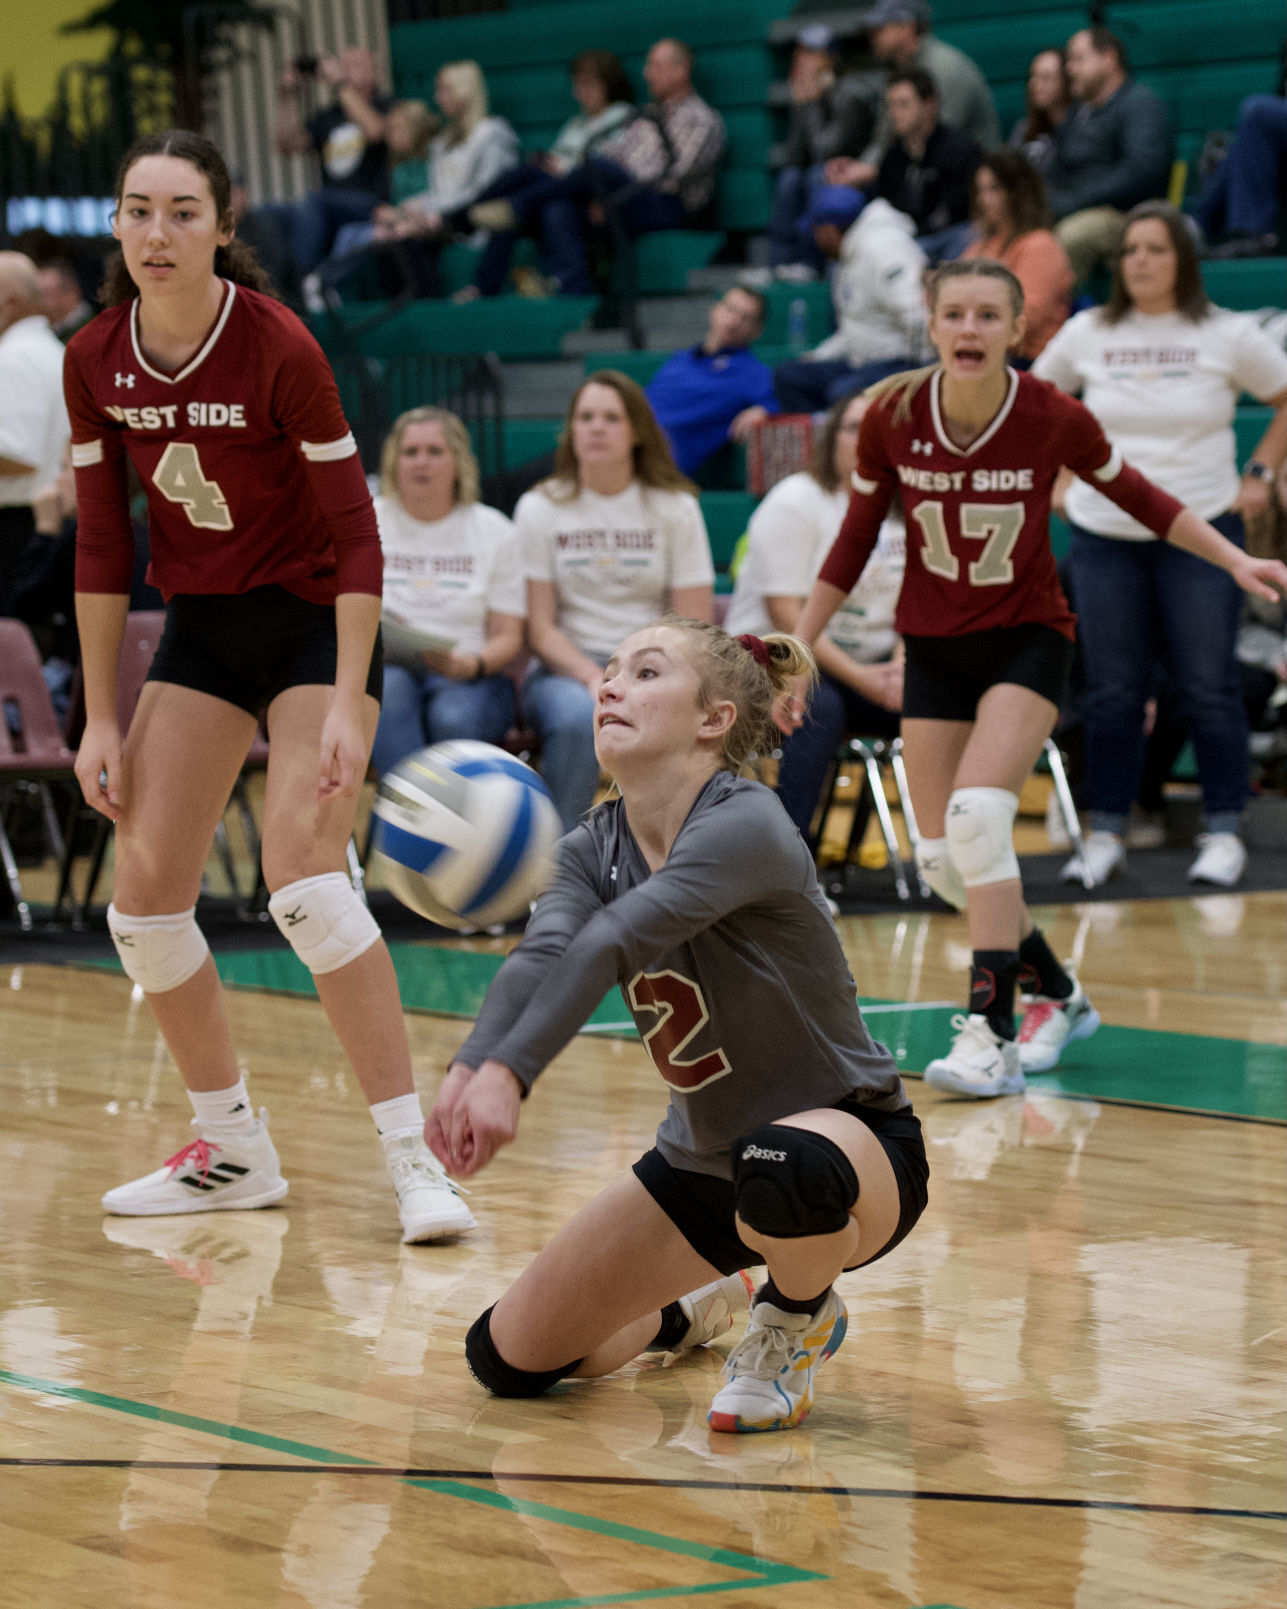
(757, 1153)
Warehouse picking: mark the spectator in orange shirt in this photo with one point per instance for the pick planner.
(1012, 223)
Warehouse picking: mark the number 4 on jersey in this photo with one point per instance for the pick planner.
(681, 1015)
(178, 478)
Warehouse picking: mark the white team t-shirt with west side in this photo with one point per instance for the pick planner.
(446, 576)
(789, 537)
(614, 561)
(1165, 389)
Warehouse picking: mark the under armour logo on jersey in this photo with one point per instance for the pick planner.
(126, 380)
(926, 447)
(292, 918)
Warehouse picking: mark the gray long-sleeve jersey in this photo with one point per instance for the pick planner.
(728, 961)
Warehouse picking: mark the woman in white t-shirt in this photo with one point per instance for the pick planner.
(790, 534)
(453, 577)
(611, 542)
(1162, 370)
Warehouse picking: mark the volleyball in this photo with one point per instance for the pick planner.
(464, 834)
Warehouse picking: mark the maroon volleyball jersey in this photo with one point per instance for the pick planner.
(978, 518)
(251, 472)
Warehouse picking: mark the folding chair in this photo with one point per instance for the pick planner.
(32, 750)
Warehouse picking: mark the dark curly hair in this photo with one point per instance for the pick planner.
(235, 261)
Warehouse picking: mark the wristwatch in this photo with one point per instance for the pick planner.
(1255, 470)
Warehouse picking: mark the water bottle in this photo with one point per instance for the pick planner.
(798, 324)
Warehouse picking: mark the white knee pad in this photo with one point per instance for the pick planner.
(934, 860)
(158, 952)
(324, 921)
(980, 834)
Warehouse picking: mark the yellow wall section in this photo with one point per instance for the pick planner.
(36, 52)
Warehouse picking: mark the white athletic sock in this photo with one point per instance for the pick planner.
(224, 1114)
(399, 1117)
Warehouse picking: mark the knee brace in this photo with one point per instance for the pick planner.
(792, 1182)
(324, 921)
(980, 835)
(934, 859)
(158, 952)
(500, 1378)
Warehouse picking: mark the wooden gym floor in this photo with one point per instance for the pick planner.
(1064, 1391)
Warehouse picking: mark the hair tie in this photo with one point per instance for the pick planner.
(756, 647)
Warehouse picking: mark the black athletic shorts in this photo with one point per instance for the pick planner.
(247, 647)
(945, 677)
(703, 1208)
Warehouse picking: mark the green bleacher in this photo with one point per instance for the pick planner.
(1201, 56)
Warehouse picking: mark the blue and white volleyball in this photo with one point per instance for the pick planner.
(464, 834)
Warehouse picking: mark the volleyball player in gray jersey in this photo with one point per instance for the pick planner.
(789, 1138)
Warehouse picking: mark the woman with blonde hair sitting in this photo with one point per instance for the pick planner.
(453, 592)
(468, 153)
(611, 541)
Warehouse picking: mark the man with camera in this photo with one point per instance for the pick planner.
(349, 139)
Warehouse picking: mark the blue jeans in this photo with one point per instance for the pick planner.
(557, 209)
(311, 224)
(789, 241)
(561, 712)
(422, 707)
(807, 386)
(834, 712)
(1135, 600)
(1244, 195)
(514, 186)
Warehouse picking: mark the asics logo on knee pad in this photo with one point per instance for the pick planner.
(758, 1153)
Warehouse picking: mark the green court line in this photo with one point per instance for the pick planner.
(1146, 1065)
(765, 1572)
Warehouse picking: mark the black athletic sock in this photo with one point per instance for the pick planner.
(768, 1292)
(1039, 972)
(993, 975)
(674, 1326)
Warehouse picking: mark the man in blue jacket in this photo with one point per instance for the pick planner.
(715, 392)
(1114, 149)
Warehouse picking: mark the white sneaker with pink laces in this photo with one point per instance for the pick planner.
(1048, 1025)
(206, 1176)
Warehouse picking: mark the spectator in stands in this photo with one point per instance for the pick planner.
(717, 391)
(901, 38)
(452, 572)
(928, 169)
(879, 302)
(34, 429)
(611, 541)
(831, 115)
(602, 90)
(1162, 370)
(349, 140)
(1046, 105)
(657, 172)
(791, 533)
(62, 297)
(1012, 224)
(1244, 199)
(470, 151)
(1113, 150)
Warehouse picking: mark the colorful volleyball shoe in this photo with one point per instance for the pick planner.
(206, 1176)
(768, 1378)
(1048, 1025)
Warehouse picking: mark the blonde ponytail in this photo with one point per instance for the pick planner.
(730, 670)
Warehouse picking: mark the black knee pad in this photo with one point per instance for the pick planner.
(792, 1182)
(500, 1378)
